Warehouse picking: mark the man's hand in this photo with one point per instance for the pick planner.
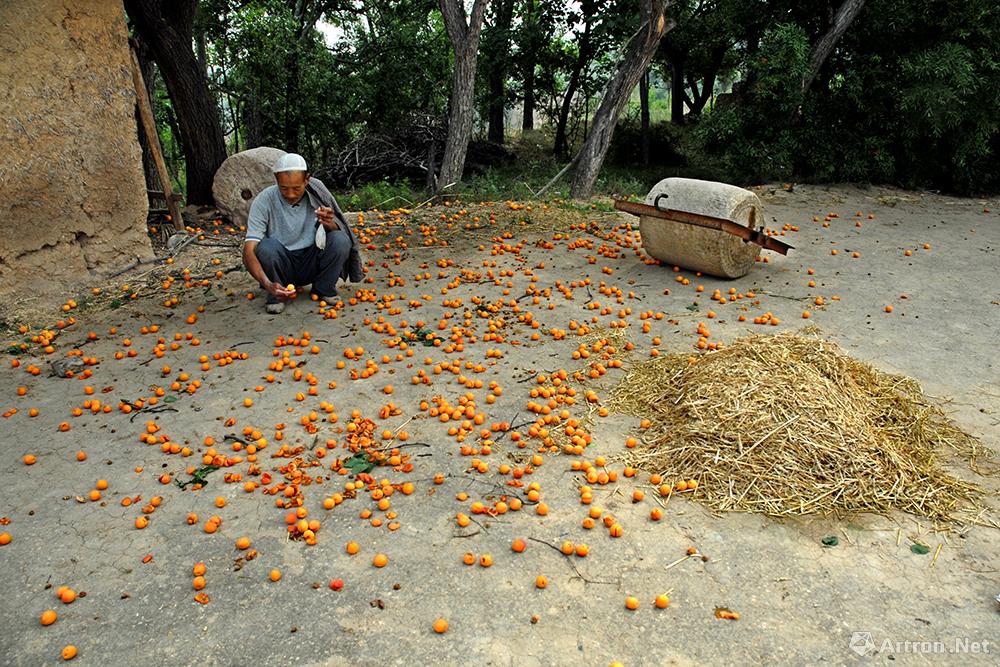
(324, 214)
(278, 291)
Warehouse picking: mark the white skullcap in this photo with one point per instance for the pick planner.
(290, 162)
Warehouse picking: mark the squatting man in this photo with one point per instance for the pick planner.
(297, 235)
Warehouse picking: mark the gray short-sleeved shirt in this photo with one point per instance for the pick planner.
(273, 217)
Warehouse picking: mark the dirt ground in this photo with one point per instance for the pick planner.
(799, 602)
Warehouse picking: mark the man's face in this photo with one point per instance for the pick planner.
(292, 185)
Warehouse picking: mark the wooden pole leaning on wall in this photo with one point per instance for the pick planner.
(149, 127)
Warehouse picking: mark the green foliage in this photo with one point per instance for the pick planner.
(750, 134)
(907, 97)
(278, 81)
(401, 63)
(381, 194)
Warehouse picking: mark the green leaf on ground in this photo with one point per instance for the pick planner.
(920, 549)
(198, 476)
(359, 463)
(830, 541)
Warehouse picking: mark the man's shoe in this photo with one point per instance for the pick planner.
(275, 308)
(329, 298)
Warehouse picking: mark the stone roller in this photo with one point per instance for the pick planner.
(680, 236)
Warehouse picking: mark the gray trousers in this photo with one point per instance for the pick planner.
(308, 266)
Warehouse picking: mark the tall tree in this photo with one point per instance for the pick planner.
(699, 97)
(535, 55)
(678, 58)
(638, 52)
(167, 27)
(463, 31)
(304, 14)
(528, 60)
(588, 9)
(841, 22)
(496, 48)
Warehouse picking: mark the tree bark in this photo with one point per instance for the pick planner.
(561, 145)
(464, 35)
(841, 22)
(642, 45)
(167, 27)
(499, 44)
(644, 117)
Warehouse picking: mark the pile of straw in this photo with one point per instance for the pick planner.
(790, 425)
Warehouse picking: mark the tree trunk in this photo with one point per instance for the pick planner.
(528, 107)
(464, 35)
(561, 145)
(644, 117)
(167, 27)
(201, 45)
(500, 46)
(253, 124)
(700, 99)
(639, 52)
(677, 91)
(529, 59)
(841, 22)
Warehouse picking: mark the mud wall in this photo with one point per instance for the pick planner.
(72, 193)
